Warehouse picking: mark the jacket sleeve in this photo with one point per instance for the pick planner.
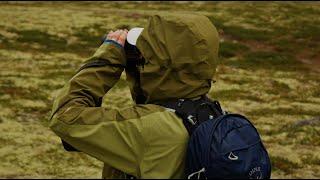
(78, 118)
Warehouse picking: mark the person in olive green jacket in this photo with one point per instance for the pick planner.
(145, 140)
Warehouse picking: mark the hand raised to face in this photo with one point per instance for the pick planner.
(119, 36)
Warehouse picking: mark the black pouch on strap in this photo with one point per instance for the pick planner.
(194, 112)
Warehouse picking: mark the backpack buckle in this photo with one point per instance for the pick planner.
(180, 101)
(192, 120)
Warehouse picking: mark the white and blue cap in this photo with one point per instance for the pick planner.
(133, 35)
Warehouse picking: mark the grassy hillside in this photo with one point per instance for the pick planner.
(269, 71)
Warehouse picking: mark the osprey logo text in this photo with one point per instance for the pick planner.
(255, 173)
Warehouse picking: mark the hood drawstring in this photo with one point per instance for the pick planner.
(135, 62)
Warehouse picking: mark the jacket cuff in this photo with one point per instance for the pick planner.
(111, 52)
(109, 41)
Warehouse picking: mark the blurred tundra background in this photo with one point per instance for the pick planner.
(269, 71)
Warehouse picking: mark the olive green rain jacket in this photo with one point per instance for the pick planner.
(146, 140)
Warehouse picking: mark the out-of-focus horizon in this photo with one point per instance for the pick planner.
(268, 71)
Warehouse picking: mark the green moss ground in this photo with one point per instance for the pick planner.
(269, 71)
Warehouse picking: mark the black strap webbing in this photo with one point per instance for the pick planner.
(194, 112)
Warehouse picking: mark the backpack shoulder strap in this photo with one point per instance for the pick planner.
(194, 112)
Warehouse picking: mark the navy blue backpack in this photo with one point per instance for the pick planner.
(221, 145)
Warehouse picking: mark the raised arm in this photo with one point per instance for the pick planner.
(78, 119)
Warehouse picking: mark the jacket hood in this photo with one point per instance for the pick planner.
(181, 55)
